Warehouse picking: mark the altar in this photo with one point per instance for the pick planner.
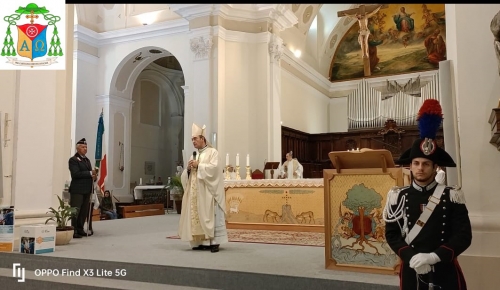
(275, 204)
(150, 194)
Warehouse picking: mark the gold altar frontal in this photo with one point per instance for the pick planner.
(275, 204)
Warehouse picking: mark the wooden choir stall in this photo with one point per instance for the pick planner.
(354, 198)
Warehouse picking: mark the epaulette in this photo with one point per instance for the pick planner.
(392, 195)
(456, 194)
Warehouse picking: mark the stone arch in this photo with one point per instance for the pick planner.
(120, 101)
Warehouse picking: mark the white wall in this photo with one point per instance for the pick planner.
(245, 105)
(85, 109)
(302, 107)
(338, 117)
(477, 88)
(7, 106)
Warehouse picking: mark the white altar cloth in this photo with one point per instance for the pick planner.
(138, 189)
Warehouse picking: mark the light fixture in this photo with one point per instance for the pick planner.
(297, 53)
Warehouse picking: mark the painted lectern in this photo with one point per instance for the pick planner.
(355, 196)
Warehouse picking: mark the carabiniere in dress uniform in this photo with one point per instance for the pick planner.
(427, 223)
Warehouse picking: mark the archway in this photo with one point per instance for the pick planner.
(146, 119)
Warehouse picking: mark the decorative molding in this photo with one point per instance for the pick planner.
(307, 70)
(309, 182)
(379, 82)
(201, 46)
(239, 36)
(87, 57)
(85, 35)
(276, 49)
(114, 100)
(193, 11)
(154, 30)
(278, 13)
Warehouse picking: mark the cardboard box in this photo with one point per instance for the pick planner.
(7, 221)
(37, 239)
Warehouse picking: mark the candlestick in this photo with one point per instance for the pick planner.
(238, 177)
(227, 159)
(249, 174)
(237, 159)
(248, 160)
(228, 176)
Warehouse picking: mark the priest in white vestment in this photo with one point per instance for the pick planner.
(291, 168)
(203, 221)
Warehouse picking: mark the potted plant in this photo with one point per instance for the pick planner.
(176, 191)
(62, 215)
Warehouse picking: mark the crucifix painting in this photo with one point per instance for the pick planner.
(388, 40)
(362, 14)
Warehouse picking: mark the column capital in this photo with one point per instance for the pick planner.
(276, 48)
(201, 46)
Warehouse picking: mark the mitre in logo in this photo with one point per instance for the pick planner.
(32, 48)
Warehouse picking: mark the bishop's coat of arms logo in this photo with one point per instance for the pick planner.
(32, 37)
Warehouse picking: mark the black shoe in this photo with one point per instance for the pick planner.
(81, 233)
(201, 248)
(76, 236)
(214, 248)
(91, 233)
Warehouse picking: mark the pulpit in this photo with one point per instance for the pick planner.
(355, 196)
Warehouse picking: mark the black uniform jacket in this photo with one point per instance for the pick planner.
(447, 233)
(81, 178)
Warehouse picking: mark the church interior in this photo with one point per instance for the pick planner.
(266, 80)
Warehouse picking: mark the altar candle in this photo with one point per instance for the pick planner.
(227, 159)
(237, 159)
(140, 181)
(248, 159)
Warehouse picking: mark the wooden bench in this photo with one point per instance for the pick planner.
(131, 211)
(96, 214)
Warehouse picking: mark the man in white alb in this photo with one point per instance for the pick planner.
(291, 168)
(202, 221)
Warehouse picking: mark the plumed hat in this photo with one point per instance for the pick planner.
(82, 141)
(197, 131)
(429, 119)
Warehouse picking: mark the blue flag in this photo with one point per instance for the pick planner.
(98, 145)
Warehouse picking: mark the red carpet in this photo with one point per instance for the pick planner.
(274, 237)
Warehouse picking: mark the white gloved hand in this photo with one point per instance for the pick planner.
(423, 258)
(424, 269)
(440, 176)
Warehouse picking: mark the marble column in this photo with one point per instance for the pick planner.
(274, 105)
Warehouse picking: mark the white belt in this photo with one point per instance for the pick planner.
(429, 208)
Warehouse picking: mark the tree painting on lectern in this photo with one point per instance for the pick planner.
(357, 226)
(404, 38)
